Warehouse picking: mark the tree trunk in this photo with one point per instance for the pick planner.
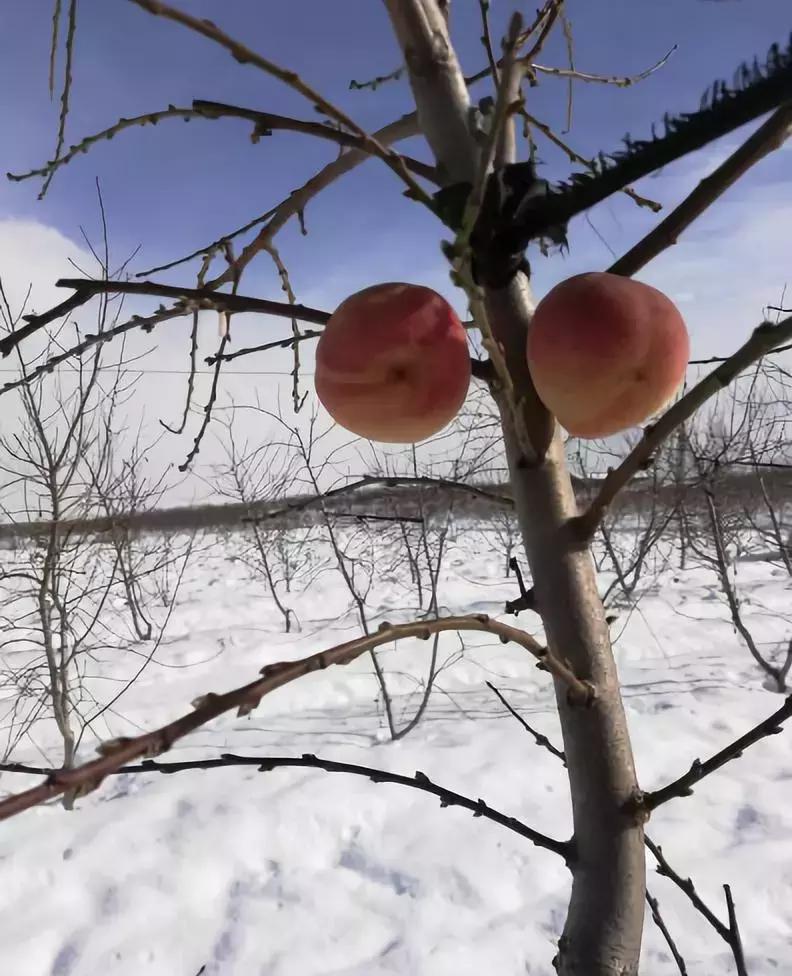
(602, 934)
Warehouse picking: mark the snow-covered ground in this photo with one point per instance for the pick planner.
(297, 872)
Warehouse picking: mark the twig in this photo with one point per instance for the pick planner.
(486, 40)
(734, 929)
(657, 918)
(67, 83)
(385, 481)
(265, 123)
(95, 339)
(265, 764)
(245, 55)
(541, 740)
(769, 136)
(729, 933)
(295, 203)
(566, 27)
(374, 83)
(620, 81)
(764, 339)
(683, 786)
(687, 886)
(207, 410)
(84, 778)
(193, 355)
(583, 161)
(286, 343)
(202, 298)
(56, 15)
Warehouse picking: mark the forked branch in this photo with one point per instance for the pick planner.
(245, 55)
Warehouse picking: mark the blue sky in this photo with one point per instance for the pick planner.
(175, 187)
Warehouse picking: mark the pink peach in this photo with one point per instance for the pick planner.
(392, 364)
(606, 353)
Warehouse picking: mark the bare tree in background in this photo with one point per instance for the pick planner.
(70, 481)
(491, 207)
(728, 525)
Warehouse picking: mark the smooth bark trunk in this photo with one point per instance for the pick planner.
(602, 934)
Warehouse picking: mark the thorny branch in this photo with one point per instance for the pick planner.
(265, 764)
(82, 779)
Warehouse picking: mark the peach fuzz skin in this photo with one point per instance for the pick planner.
(392, 364)
(606, 353)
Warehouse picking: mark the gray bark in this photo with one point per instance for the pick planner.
(602, 934)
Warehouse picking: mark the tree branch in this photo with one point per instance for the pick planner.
(657, 918)
(190, 298)
(620, 81)
(82, 779)
(264, 122)
(683, 786)
(245, 55)
(769, 136)
(387, 482)
(265, 764)
(539, 739)
(94, 339)
(729, 933)
(763, 340)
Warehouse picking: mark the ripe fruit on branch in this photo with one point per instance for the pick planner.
(606, 352)
(393, 364)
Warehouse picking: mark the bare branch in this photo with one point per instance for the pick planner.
(193, 356)
(769, 136)
(657, 918)
(245, 55)
(388, 482)
(91, 340)
(190, 298)
(539, 739)
(583, 161)
(67, 80)
(56, 15)
(698, 770)
(734, 929)
(486, 40)
(764, 339)
(620, 81)
(264, 124)
(265, 764)
(84, 778)
(729, 933)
